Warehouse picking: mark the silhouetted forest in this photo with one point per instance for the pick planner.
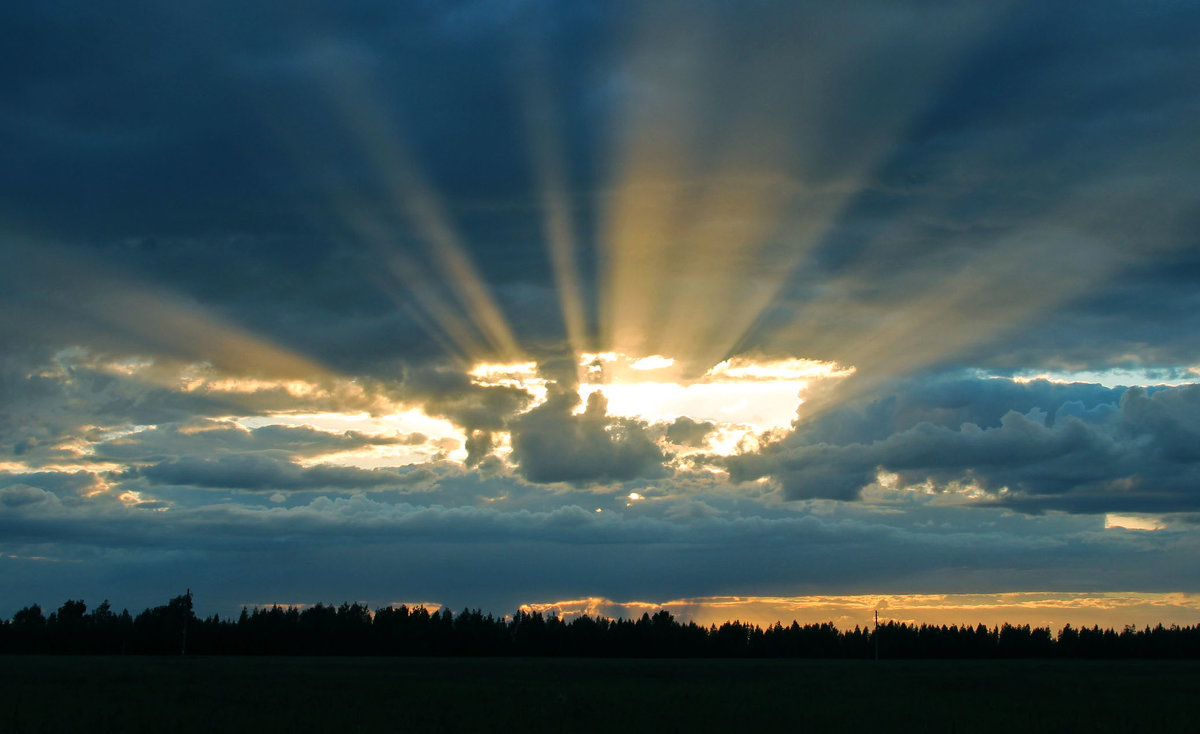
(353, 629)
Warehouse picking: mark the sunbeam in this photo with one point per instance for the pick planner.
(495, 303)
(411, 194)
(355, 218)
(412, 285)
(942, 302)
(543, 129)
(118, 309)
(730, 171)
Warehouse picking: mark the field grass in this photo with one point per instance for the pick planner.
(256, 694)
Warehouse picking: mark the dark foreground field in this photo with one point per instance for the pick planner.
(57, 694)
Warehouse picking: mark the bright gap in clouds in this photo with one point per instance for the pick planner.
(738, 396)
(1116, 376)
(741, 397)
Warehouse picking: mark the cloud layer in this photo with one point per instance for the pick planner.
(252, 258)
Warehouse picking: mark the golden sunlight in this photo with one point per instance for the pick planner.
(742, 397)
(740, 393)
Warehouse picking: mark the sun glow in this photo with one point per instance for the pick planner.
(755, 405)
(753, 395)
(741, 397)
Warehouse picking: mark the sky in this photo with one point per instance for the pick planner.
(754, 310)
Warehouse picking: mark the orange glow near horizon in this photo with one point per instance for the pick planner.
(1037, 609)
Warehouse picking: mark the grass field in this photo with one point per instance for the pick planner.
(229, 694)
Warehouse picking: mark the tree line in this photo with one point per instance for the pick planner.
(353, 629)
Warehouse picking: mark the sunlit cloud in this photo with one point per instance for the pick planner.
(1133, 522)
(521, 375)
(653, 362)
(486, 371)
(134, 499)
(743, 368)
(742, 397)
(442, 439)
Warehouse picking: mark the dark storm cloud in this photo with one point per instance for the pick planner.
(1078, 448)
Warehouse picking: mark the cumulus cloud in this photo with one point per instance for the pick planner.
(480, 409)
(1077, 448)
(553, 444)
